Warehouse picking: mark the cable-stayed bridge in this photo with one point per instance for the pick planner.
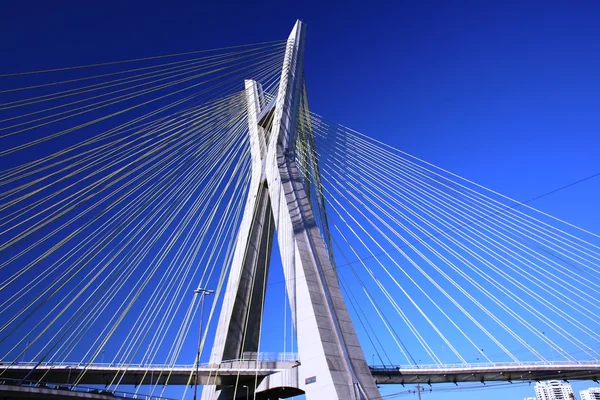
(134, 193)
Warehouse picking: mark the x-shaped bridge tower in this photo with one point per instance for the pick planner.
(332, 363)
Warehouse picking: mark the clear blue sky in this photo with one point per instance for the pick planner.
(506, 93)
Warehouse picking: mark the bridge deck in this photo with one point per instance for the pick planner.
(228, 373)
(486, 373)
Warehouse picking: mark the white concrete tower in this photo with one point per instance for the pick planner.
(332, 363)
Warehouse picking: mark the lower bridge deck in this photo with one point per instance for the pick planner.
(238, 372)
(461, 373)
(226, 373)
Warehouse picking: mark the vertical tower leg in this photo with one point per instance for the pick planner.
(240, 318)
(333, 365)
(332, 362)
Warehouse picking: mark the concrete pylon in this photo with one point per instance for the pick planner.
(332, 363)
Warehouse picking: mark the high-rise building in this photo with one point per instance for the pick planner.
(590, 394)
(529, 398)
(554, 390)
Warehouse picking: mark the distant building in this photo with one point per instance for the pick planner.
(553, 390)
(529, 398)
(590, 394)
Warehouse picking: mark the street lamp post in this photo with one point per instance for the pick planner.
(247, 391)
(202, 292)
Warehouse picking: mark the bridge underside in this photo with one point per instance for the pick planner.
(226, 374)
(10, 392)
(458, 375)
(240, 372)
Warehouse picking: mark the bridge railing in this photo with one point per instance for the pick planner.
(246, 358)
(595, 363)
(293, 357)
(269, 357)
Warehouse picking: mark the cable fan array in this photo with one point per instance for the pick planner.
(440, 270)
(123, 185)
(121, 192)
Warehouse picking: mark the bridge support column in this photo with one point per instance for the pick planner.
(240, 317)
(332, 364)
